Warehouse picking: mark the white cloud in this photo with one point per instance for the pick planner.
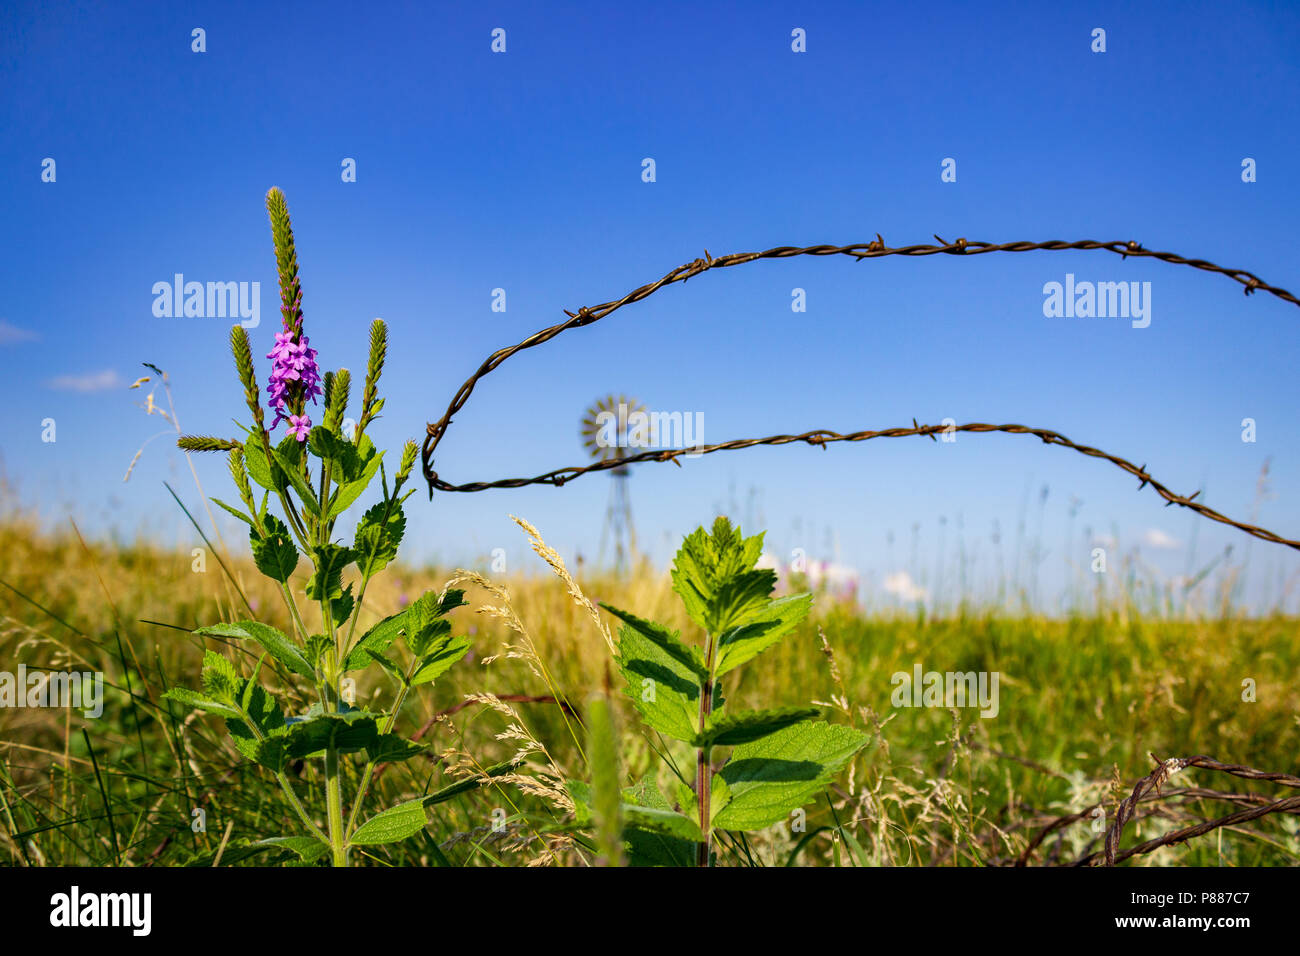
(900, 583)
(90, 382)
(1155, 538)
(11, 334)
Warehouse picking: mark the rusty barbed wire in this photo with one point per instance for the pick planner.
(588, 315)
(823, 438)
(1156, 779)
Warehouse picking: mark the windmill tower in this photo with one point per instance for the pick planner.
(605, 434)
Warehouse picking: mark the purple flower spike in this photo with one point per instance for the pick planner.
(294, 376)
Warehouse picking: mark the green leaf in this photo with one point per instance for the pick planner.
(664, 822)
(654, 833)
(350, 732)
(326, 445)
(664, 690)
(309, 849)
(266, 745)
(434, 665)
(275, 555)
(378, 639)
(376, 540)
(317, 645)
(665, 640)
(267, 474)
(192, 698)
(350, 491)
(392, 748)
(715, 577)
(728, 730)
(390, 826)
(218, 678)
(392, 669)
(341, 606)
(747, 641)
(234, 511)
(769, 778)
(274, 641)
(288, 456)
(326, 581)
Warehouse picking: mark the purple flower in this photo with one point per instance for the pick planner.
(295, 379)
(299, 425)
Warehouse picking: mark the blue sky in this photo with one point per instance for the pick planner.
(522, 170)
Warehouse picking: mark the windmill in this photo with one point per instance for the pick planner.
(605, 434)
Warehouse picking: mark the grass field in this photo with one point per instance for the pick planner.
(1084, 703)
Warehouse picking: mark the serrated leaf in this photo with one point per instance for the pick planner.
(341, 607)
(317, 645)
(434, 665)
(267, 474)
(218, 678)
(765, 628)
(715, 577)
(350, 491)
(275, 555)
(390, 826)
(378, 639)
(644, 793)
(722, 729)
(266, 745)
(326, 581)
(192, 698)
(376, 540)
(664, 690)
(349, 732)
(271, 639)
(665, 640)
(769, 778)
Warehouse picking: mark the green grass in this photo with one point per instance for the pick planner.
(1083, 702)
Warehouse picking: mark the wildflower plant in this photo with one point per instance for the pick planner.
(315, 473)
(778, 759)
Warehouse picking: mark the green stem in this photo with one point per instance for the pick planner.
(334, 805)
(333, 785)
(365, 581)
(369, 772)
(285, 785)
(703, 769)
(299, 808)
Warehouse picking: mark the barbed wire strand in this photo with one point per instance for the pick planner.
(1154, 780)
(823, 438)
(588, 315)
